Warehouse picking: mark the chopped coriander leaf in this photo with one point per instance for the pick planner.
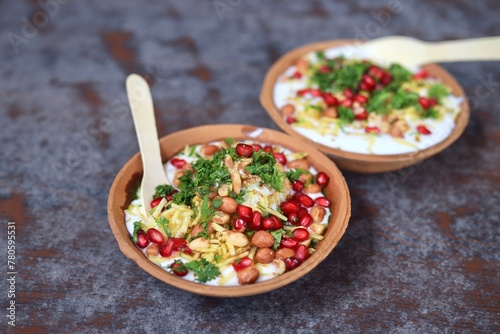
(294, 174)
(320, 55)
(229, 141)
(203, 270)
(345, 114)
(137, 227)
(380, 102)
(264, 166)
(431, 113)
(217, 258)
(438, 92)
(350, 75)
(277, 237)
(163, 190)
(399, 75)
(163, 223)
(403, 99)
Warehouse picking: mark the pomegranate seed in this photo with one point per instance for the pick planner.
(302, 212)
(142, 239)
(289, 242)
(421, 75)
(244, 150)
(290, 119)
(423, 130)
(322, 179)
(424, 102)
(155, 236)
(323, 201)
(167, 250)
(178, 269)
(178, 163)
(360, 99)
(306, 220)
(280, 157)
(385, 79)
(289, 207)
(244, 212)
(297, 185)
(375, 71)
(362, 115)
(372, 129)
(346, 103)
(155, 202)
(329, 99)
(186, 250)
(277, 223)
(365, 87)
(303, 92)
(297, 75)
(348, 93)
(325, 69)
(432, 102)
(305, 200)
(301, 253)
(267, 223)
(255, 222)
(242, 263)
(291, 263)
(293, 218)
(301, 234)
(256, 147)
(171, 195)
(268, 148)
(239, 225)
(316, 92)
(368, 80)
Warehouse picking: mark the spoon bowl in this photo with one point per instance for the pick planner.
(141, 105)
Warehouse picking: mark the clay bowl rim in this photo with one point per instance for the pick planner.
(379, 163)
(131, 172)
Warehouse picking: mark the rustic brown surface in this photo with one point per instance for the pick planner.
(421, 254)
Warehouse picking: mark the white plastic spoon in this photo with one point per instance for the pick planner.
(412, 52)
(141, 104)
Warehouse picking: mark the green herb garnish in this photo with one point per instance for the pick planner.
(204, 271)
(345, 114)
(137, 227)
(277, 237)
(163, 223)
(163, 190)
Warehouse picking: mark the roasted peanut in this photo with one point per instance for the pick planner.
(396, 132)
(178, 175)
(264, 255)
(284, 253)
(331, 112)
(312, 188)
(152, 250)
(299, 163)
(238, 239)
(305, 177)
(263, 239)
(209, 150)
(236, 181)
(288, 109)
(302, 65)
(197, 229)
(223, 190)
(228, 205)
(317, 228)
(317, 213)
(220, 218)
(199, 244)
(248, 275)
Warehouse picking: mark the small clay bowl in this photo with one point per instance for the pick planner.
(358, 162)
(129, 176)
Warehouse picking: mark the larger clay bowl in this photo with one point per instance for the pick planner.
(128, 177)
(357, 162)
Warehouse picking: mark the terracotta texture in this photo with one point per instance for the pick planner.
(356, 162)
(120, 197)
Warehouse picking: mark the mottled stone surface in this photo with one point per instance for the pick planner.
(421, 254)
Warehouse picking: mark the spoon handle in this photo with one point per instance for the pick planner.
(486, 48)
(141, 104)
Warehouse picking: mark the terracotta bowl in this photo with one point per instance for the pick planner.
(129, 176)
(358, 162)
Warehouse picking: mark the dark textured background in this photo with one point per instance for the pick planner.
(421, 254)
